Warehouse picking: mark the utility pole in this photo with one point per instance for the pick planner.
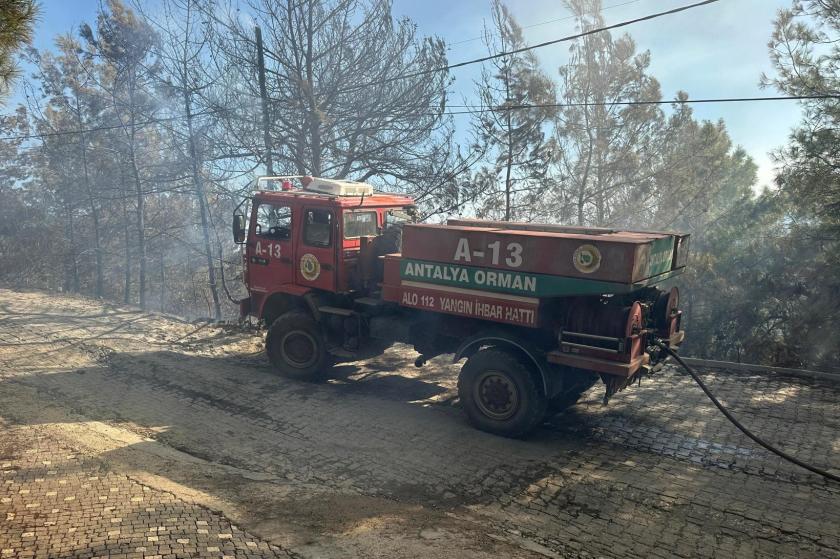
(269, 168)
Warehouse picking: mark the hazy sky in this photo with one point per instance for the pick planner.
(712, 51)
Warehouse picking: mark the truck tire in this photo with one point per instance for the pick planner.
(500, 393)
(296, 346)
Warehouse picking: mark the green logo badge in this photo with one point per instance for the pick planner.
(587, 259)
(310, 268)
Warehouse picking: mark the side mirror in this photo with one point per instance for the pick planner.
(238, 228)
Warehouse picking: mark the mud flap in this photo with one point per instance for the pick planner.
(244, 308)
(614, 384)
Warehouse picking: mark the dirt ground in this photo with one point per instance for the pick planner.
(117, 424)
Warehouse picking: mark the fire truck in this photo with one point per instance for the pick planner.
(537, 312)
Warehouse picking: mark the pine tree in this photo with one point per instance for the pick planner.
(352, 92)
(17, 19)
(125, 44)
(608, 149)
(514, 139)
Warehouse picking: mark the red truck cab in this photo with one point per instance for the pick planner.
(305, 239)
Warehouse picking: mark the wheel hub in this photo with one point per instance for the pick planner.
(496, 395)
(299, 349)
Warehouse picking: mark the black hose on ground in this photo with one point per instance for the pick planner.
(761, 442)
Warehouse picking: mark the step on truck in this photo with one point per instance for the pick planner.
(539, 312)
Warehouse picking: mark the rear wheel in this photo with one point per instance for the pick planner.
(500, 393)
(296, 347)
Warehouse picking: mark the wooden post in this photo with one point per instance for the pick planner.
(269, 167)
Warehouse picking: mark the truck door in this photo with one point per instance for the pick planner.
(316, 252)
(269, 248)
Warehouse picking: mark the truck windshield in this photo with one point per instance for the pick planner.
(359, 224)
(400, 215)
(274, 220)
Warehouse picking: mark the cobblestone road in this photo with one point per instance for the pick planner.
(60, 504)
(118, 427)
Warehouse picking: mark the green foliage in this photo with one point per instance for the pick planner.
(764, 283)
(17, 18)
(26, 228)
(608, 152)
(805, 51)
(514, 141)
(762, 290)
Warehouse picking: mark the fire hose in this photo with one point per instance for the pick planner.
(758, 440)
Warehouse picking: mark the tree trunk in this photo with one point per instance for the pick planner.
(140, 215)
(581, 201)
(203, 210)
(314, 119)
(71, 275)
(141, 227)
(509, 164)
(126, 240)
(94, 210)
(600, 201)
(162, 271)
(97, 247)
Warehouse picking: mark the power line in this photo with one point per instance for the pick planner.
(632, 103)
(469, 110)
(41, 136)
(532, 47)
(604, 9)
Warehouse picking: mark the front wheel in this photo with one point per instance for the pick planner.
(501, 394)
(296, 346)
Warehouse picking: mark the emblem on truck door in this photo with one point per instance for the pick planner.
(587, 259)
(310, 268)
